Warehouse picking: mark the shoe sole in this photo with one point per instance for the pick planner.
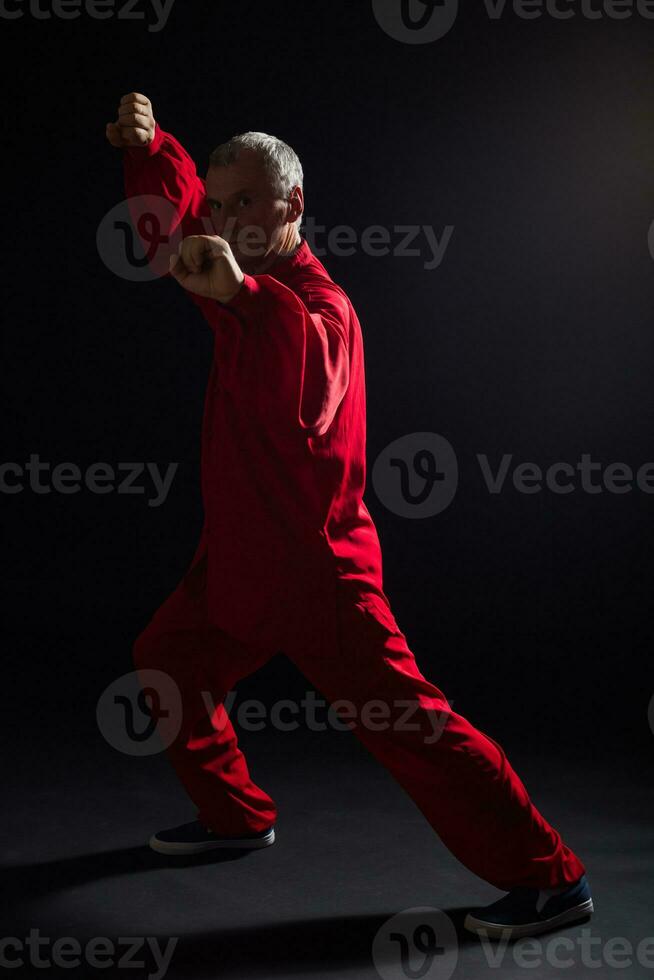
(494, 931)
(180, 847)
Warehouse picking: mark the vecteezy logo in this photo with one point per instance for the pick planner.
(416, 21)
(140, 713)
(134, 238)
(416, 475)
(418, 943)
(406, 12)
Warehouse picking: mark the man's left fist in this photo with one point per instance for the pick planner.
(206, 265)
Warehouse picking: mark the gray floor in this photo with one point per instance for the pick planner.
(352, 852)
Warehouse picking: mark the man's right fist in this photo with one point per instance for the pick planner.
(135, 123)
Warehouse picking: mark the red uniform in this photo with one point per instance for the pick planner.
(289, 560)
(283, 457)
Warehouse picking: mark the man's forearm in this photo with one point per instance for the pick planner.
(166, 170)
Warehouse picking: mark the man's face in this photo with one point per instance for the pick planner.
(245, 209)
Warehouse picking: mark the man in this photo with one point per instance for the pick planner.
(289, 558)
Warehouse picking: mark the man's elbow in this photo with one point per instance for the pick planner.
(318, 414)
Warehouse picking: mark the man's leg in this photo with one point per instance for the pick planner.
(459, 777)
(205, 754)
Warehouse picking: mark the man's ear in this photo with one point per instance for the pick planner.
(295, 204)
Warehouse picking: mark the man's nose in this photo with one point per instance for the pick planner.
(225, 224)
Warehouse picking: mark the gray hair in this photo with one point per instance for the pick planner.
(280, 161)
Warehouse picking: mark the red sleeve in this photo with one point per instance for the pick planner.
(295, 352)
(166, 172)
(165, 169)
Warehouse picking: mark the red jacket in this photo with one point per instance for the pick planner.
(284, 429)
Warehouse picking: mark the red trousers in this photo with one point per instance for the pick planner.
(459, 778)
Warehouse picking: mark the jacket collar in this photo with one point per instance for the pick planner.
(285, 268)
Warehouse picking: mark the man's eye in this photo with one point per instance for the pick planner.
(245, 201)
(215, 205)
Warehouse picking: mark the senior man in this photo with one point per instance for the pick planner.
(289, 558)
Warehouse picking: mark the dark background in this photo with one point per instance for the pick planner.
(534, 337)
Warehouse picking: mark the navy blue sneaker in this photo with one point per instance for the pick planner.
(195, 838)
(529, 911)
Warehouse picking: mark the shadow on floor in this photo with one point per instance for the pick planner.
(318, 946)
